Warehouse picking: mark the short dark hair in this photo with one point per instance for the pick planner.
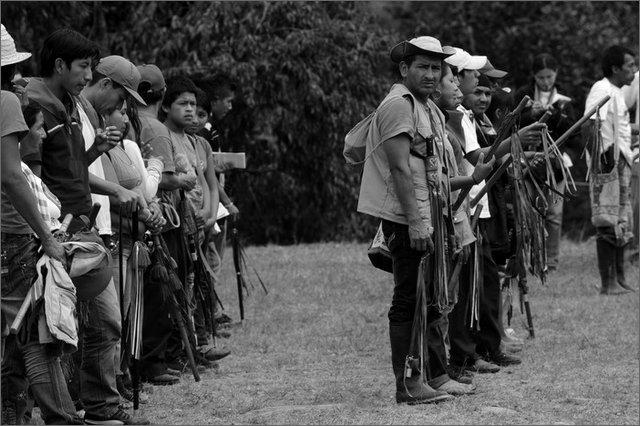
(149, 96)
(613, 57)
(68, 45)
(8, 71)
(177, 86)
(217, 87)
(203, 100)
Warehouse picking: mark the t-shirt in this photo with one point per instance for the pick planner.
(471, 144)
(156, 134)
(613, 113)
(186, 161)
(11, 121)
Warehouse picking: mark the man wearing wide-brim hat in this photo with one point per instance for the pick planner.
(394, 189)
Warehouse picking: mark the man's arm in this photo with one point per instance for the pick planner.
(121, 196)
(19, 194)
(397, 151)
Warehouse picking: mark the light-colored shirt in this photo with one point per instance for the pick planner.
(471, 144)
(103, 219)
(614, 115)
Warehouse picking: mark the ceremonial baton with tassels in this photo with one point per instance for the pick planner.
(561, 140)
(459, 261)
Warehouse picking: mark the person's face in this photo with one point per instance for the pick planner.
(221, 107)
(545, 79)
(183, 110)
(468, 81)
(422, 77)
(119, 119)
(450, 96)
(109, 98)
(75, 76)
(200, 119)
(479, 100)
(628, 69)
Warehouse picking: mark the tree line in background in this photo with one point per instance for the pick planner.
(308, 71)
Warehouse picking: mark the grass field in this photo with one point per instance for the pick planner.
(315, 350)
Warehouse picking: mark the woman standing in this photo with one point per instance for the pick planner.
(547, 97)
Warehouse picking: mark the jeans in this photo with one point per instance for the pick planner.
(100, 335)
(27, 362)
(125, 246)
(403, 305)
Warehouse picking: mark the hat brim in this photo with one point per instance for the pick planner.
(494, 73)
(15, 58)
(405, 49)
(135, 95)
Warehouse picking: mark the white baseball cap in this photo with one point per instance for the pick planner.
(463, 60)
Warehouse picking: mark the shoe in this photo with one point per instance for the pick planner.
(183, 366)
(222, 318)
(460, 374)
(482, 366)
(455, 388)
(503, 359)
(510, 347)
(224, 334)
(213, 353)
(173, 372)
(163, 380)
(120, 417)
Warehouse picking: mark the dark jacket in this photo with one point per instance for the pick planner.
(62, 156)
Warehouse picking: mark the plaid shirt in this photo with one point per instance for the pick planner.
(48, 203)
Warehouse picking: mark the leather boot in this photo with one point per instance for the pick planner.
(411, 390)
(607, 254)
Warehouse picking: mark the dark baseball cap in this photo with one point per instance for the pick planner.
(123, 72)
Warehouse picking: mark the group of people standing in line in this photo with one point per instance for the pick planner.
(101, 131)
(435, 137)
(90, 132)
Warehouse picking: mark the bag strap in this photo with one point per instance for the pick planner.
(373, 114)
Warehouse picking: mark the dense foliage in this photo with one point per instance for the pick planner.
(308, 71)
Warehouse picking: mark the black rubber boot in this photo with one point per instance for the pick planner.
(607, 266)
(620, 275)
(410, 390)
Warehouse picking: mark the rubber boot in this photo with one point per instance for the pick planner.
(607, 254)
(620, 275)
(411, 390)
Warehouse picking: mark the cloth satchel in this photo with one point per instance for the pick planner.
(379, 253)
(604, 188)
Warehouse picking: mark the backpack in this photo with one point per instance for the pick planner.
(355, 142)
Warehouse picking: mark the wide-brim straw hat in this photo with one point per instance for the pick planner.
(8, 53)
(424, 45)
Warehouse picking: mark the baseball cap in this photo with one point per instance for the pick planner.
(463, 60)
(490, 71)
(123, 72)
(483, 81)
(424, 45)
(8, 53)
(151, 79)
